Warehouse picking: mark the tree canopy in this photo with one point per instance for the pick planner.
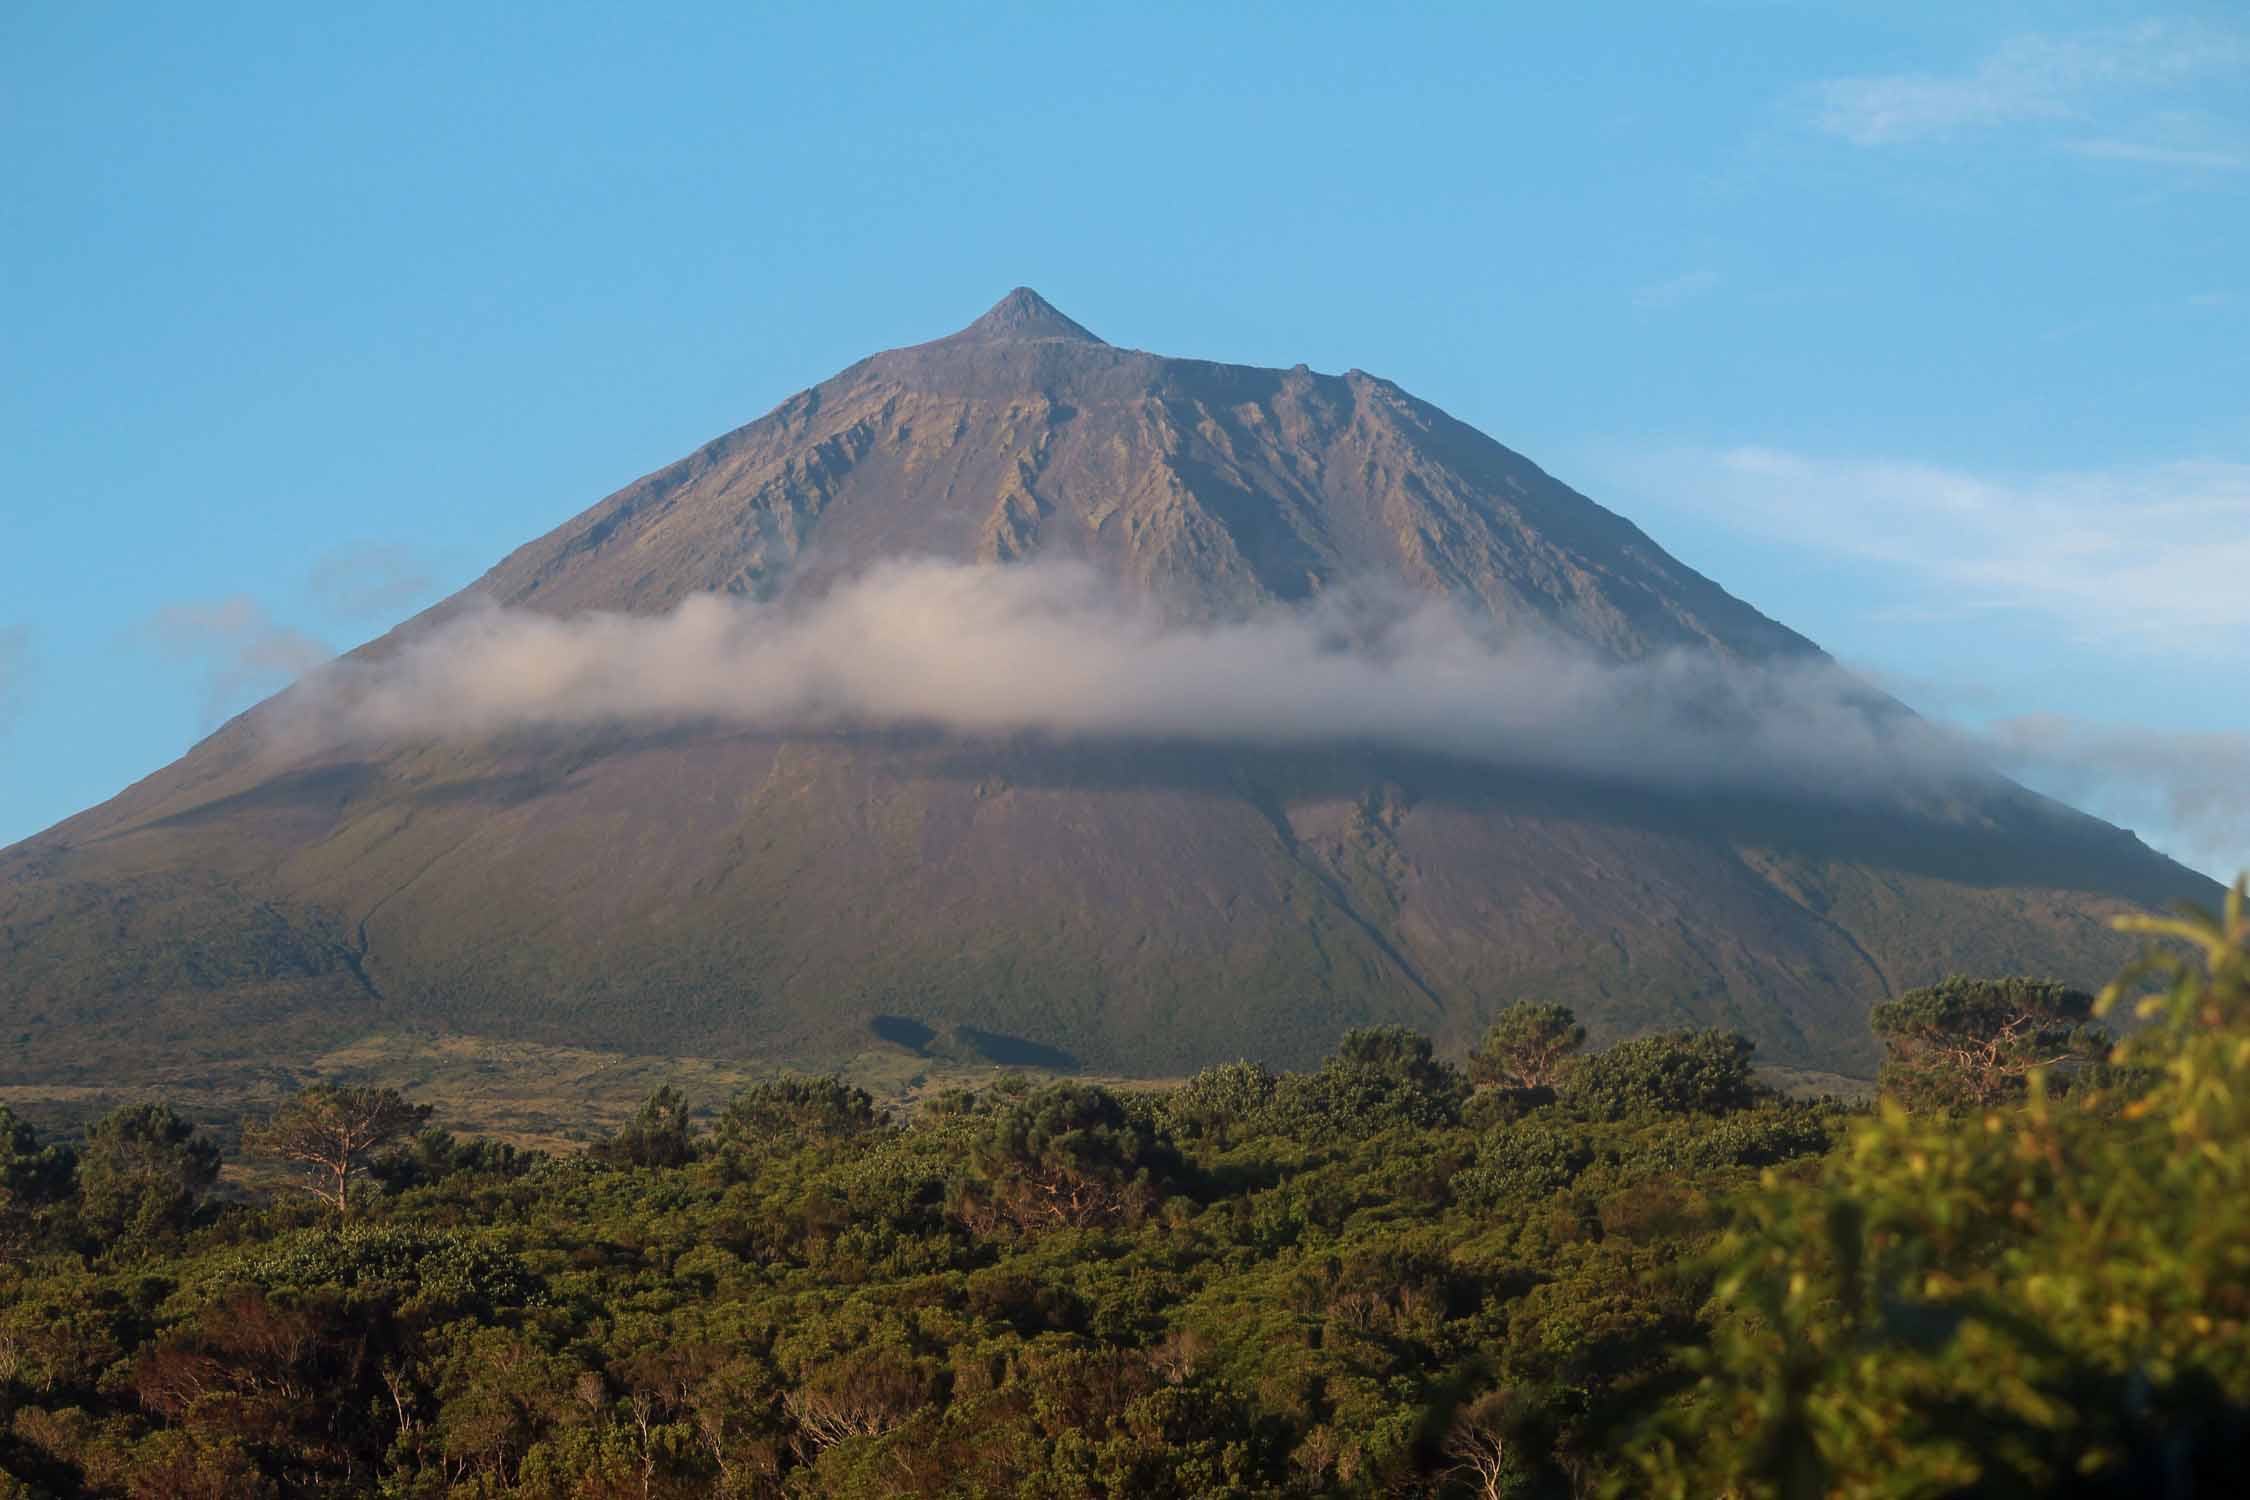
(656, 1136)
(332, 1133)
(1972, 1043)
(145, 1171)
(1527, 1046)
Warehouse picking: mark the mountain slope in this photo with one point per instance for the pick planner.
(1140, 908)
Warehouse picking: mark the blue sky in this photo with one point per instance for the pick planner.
(1924, 328)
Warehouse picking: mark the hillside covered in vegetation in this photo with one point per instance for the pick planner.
(1551, 1273)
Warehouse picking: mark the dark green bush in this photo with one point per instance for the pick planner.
(1672, 1073)
(1069, 1154)
(793, 1109)
(1525, 1162)
(1379, 1078)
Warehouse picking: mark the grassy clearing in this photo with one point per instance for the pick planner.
(524, 1093)
(1811, 1083)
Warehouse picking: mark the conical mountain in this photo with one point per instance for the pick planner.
(1137, 907)
(1209, 485)
(1022, 315)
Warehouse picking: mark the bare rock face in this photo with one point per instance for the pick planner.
(1138, 909)
(1212, 486)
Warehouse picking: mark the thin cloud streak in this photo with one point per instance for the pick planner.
(2027, 79)
(2153, 556)
(2167, 156)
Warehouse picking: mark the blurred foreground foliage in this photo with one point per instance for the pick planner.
(2046, 1296)
(1557, 1273)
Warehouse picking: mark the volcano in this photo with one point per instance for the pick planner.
(1142, 906)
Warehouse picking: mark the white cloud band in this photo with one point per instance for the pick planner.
(1050, 649)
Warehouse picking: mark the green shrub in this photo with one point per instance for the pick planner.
(1222, 1103)
(1672, 1073)
(1378, 1078)
(1523, 1163)
(397, 1265)
(793, 1109)
(1069, 1154)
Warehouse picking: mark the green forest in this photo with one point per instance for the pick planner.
(1544, 1270)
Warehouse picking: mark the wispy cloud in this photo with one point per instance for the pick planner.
(240, 649)
(372, 580)
(2155, 554)
(1684, 287)
(2029, 79)
(2195, 787)
(2202, 159)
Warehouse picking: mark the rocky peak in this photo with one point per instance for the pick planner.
(1023, 316)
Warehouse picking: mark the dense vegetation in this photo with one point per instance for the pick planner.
(1552, 1274)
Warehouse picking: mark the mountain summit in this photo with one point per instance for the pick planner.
(1023, 314)
(1130, 906)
